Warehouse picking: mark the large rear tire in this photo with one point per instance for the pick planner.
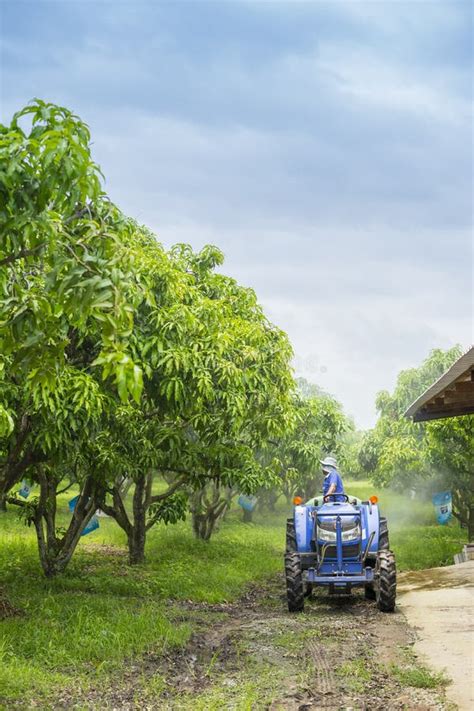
(384, 544)
(290, 536)
(386, 581)
(294, 582)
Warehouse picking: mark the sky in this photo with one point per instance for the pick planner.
(325, 147)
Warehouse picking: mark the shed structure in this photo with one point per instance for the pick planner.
(450, 396)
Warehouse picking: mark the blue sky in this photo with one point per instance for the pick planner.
(326, 147)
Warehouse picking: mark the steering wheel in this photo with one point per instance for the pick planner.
(333, 496)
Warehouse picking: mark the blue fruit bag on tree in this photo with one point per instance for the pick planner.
(25, 489)
(91, 526)
(93, 523)
(443, 504)
(72, 503)
(248, 503)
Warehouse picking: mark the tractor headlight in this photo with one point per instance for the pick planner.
(326, 532)
(351, 534)
(325, 535)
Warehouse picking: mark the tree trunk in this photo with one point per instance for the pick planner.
(55, 552)
(470, 525)
(3, 504)
(136, 527)
(137, 534)
(207, 509)
(271, 499)
(248, 516)
(136, 545)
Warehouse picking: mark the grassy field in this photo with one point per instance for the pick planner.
(89, 622)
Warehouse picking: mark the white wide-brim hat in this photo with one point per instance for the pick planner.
(329, 462)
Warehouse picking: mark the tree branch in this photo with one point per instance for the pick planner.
(21, 255)
(171, 489)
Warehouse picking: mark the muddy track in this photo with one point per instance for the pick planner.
(339, 654)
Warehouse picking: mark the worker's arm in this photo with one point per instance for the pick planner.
(331, 490)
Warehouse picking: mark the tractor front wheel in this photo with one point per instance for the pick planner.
(294, 582)
(386, 581)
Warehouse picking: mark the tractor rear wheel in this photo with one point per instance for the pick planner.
(290, 536)
(386, 581)
(294, 582)
(383, 534)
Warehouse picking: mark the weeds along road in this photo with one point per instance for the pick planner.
(342, 653)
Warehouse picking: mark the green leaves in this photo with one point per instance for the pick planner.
(120, 356)
(127, 375)
(315, 426)
(396, 449)
(6, 422)
(170, 510)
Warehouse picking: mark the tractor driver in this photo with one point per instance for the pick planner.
(332, 483)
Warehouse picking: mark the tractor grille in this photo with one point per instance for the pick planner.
(350, 550)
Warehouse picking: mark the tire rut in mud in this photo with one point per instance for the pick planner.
(325, 685)
(337, 655)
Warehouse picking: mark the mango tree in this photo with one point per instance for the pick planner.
(216, 383)
(404, 454)
(450, 448)
(68, 292)
(118, 359)
(67, 287)
(394, 451)
(318, 429)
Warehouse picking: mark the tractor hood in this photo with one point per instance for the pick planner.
(335, 510)
(342, 508)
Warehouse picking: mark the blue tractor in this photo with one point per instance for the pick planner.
(339, 544)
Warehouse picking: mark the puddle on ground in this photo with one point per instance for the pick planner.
(436, 579)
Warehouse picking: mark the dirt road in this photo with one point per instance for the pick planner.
(439, 603)
(341, 654)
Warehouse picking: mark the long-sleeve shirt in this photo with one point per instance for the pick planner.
(333, 478)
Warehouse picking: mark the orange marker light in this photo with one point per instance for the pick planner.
(297, 500)
(374, 499)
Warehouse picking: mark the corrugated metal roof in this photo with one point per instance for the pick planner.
(462, 366)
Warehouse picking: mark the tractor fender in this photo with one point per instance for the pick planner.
(304, 524)
(370, 524)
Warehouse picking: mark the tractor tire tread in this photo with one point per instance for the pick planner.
(387, 581)
(290, 536)
(294, 582)
(384, 543)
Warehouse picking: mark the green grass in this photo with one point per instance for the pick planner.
(420, 677)
(85, 625)
(355, 673)
(413, 673)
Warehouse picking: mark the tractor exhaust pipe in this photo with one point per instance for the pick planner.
(367, 547)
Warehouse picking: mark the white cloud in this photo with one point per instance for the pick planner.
(333, 169)
(362, 75)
